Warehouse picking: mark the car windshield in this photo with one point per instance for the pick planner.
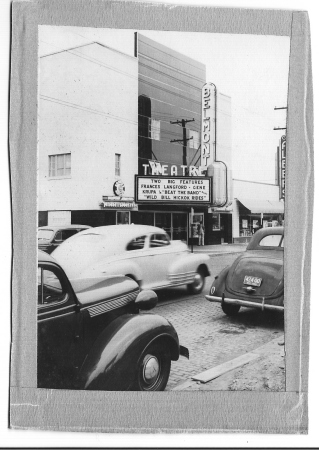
(45, 234)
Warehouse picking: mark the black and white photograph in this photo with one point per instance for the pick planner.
(161, 210)
(161, 172)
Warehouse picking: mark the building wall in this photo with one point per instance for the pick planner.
(87, 107)
(254, 190)
(172, 83)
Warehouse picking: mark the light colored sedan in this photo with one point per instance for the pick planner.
(141, 252)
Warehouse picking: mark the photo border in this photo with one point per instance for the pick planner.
(222, 411)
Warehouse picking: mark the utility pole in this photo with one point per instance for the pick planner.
(281, 107)
(183, 122)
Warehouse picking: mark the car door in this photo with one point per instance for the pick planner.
(59, 326)
(160, 255)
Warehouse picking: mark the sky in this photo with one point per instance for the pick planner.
(252, 70)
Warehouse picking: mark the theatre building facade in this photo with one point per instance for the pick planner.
(170, 108)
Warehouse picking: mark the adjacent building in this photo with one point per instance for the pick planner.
(88, 136)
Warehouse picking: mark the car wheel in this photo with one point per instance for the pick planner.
(229, 309)
(198, 284)
(153, 368)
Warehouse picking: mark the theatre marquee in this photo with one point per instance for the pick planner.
(173, 190)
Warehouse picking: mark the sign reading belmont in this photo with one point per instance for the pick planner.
(159, 189)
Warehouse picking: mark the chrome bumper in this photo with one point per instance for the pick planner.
(250, 304)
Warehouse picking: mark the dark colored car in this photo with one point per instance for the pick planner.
(91, 335)
(50, 237)
(256, 277)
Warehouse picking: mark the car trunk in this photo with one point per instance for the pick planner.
(256, 275)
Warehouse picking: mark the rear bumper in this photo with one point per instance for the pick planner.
(248, 303)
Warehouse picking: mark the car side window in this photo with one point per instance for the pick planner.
(137, 243)
(273, 240)
(50, 288)
(68, 233)
(58, 236)
(159, 240)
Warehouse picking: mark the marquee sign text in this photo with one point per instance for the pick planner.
(172, 190)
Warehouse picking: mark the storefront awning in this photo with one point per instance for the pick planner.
(263, 206)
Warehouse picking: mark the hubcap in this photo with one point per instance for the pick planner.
(151, 369)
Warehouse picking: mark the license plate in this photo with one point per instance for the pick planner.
(252, 281)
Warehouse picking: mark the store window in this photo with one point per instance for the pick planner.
(117, 164)
(154, 129)
(122, 217)
(142, 218)
(194, 225)
(163, 220)
(216, 222)
(60, 165)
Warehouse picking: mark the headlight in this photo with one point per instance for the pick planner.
(212, 290)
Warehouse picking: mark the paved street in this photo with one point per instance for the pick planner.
(214, 338)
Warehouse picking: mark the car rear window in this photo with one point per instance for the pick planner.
(272, 240)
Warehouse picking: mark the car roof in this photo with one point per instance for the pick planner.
(123, 231)
(260, 234)
(63, 227)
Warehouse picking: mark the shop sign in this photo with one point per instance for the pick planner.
(282, 166)
(173, 190)
(110, 202)
(117, 205)
(119, 188)
(59, 218)
(208, 122)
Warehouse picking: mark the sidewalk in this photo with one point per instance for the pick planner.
(213, 250)
(262, 369)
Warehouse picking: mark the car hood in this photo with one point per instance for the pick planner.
(268, 267)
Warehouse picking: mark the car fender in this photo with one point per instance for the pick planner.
(219, 282)
(112, 361)
(189, 262)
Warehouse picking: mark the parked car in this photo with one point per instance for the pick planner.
(256, 277)
(50, 237)
(141, 252)
(91, 335)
